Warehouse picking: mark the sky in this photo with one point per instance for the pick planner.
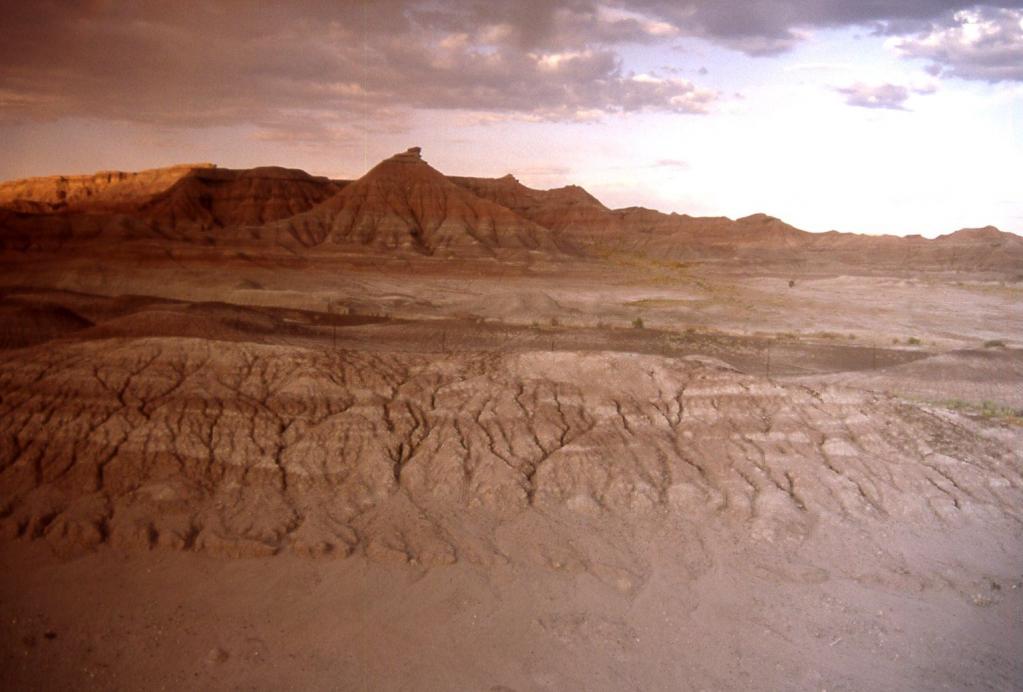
(868, 116)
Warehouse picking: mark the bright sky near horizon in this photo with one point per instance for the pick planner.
(876, 117)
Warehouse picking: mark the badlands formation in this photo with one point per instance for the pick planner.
(262, 429)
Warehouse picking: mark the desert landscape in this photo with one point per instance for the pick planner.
(414, 431)
(575, 345)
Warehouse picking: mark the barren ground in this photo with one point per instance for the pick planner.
(374, 475)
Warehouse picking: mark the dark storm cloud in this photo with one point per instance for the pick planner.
(314, 69)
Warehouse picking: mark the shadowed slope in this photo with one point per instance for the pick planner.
(214, 198)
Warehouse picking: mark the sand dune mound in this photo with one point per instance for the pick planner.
(248, 449)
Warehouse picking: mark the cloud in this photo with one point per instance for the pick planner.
(678, 164)
(768, 27)
(982, 43)
(891, 96)
(198, 63)
(544, 171)
(307, 69)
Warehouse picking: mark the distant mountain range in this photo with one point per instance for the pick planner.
(403, 206)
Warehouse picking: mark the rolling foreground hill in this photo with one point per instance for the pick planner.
(265, 430)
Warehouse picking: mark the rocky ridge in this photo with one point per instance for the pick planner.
(403, 206)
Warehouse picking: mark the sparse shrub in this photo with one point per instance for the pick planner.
(913, 341)
(554, 322)
(986, 409)
(992, 409)
(994, 343)
(638, 323)
(792, 283)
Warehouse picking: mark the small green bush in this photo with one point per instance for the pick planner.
(913, 341)
(638, 323)
(994, 343)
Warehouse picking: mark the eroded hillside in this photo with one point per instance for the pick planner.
(247, 449)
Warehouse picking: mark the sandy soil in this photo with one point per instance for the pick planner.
(705, 615)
